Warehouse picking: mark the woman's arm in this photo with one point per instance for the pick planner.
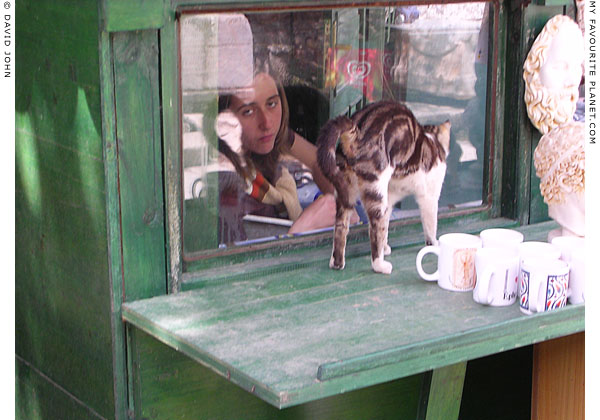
(306, 153)
(319, 214)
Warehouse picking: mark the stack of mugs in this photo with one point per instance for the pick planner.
(499, 267)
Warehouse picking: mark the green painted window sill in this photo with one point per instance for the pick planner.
(311, 332)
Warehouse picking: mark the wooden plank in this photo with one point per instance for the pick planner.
(130, 15)
(559, 379)
(446, 392)
(519, 188)
(40, 398)
(535, 18)
(217, 5)
(557, 2)
(270, 335)
(498, 17)
(113, 229)
(171, 105)
(60, 219)
(166, 381)
(138, 124)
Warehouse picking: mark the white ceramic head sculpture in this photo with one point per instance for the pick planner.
(229, 129)
(552, 73)
(580, 4)
(559, 160)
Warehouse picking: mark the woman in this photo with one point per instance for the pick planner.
(263, 115)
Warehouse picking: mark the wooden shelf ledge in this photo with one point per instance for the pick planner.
(313, 332)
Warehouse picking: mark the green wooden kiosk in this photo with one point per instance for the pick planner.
(131, 300)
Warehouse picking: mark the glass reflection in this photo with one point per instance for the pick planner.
(257, 87)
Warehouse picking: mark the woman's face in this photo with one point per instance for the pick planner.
(259, 111)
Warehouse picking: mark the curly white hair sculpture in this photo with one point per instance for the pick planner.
(559, 160)
(552, 73)
(580, 4)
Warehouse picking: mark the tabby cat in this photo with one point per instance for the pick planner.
(384, 155)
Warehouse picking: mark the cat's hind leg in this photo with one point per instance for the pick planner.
(375, 198)
(428, 199)
(428, 207)
(340, 233)
(378, 238)
(387, 249)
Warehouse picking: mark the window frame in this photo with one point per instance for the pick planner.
(202, 264)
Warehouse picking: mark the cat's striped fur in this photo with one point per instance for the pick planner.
(384, 155)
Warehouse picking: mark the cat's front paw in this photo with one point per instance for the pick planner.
(382, 266)
(433, 242)
(387, 249)
(336, 264)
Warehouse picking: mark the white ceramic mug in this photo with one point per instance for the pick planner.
(577, 277)
(572, 250)
(497, 276)
(536, 249)
(543, 284)
(500, 238)
(456, 261)
(566, 245)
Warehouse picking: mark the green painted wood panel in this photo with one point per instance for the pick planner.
(138, 124)
(557, 2)
(496, 125)
(113, 212)
(167, 382)
(62, 290)
(275, 336)
(136, 177)
(446, 392)
(521, 198)
(171, 98)
(40, 399)
(131, 15)
(534, 20)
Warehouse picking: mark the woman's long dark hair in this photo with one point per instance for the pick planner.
(266, 164)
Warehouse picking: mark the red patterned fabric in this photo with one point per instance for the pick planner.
(260, 187)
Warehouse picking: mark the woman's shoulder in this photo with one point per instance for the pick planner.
(291, 138)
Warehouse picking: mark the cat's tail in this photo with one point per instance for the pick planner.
(345, 130)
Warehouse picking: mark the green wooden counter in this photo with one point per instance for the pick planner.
(309, 333)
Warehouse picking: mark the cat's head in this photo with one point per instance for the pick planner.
(441, 133)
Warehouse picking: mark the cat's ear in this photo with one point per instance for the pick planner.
(443, 135)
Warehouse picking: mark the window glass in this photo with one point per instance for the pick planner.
(245, 77)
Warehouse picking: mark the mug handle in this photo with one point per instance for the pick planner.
(538, 301)
(569, 290)
(430, 249)
(483, 283)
